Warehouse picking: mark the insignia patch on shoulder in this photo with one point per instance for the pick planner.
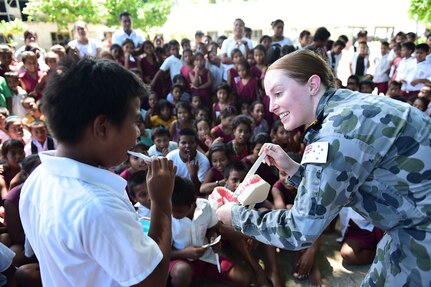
(316, 153)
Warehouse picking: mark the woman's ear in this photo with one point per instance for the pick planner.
(314, 84)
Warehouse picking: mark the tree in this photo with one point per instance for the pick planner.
(421, 10)
(146, 13)
(10, 29)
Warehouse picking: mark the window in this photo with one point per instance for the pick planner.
(61, 38)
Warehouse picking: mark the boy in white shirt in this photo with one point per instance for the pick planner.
(195, 225)
(406, 69)
(422, 75)
(381, 73)
(138, 190)
(76, 214)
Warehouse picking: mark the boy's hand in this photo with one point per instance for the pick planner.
(192, 167)
(195, 252)
(160, 179)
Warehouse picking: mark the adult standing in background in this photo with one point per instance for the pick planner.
(86, 46)
(278, 37)
(237, 40)
(127, 32)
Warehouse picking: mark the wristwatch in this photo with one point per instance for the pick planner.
(217, 182)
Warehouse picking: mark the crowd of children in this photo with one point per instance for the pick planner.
(210, 119)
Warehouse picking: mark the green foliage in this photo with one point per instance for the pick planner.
(422, 10)
(11, 28)
(146, 13)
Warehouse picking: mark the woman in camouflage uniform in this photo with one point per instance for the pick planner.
(368, 152)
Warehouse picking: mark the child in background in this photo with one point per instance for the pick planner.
(31, 107)
(149, 62)
(260, 125)
(202, 113)
(189, 259)
(15, 129)
(164, 115)
(153, 102)
(4, 113)
(201, 80)
(196, 103)
(40, 140)
(360, 62)
(395, 62)
(203, 128)
(177, 94)
(6, 59)
(234, 174)
(280, 136)
(353, 83)
(138, 191)
(366, 86)
(135, 163)
(162, 146)
(224, 129)
(13, 153)
(30, 78)
(187, 67)
(15, 102)
(406, 69)
(184, 120)
(259, 56)
(381, 74)
(117, 53)
(130, 61)
(144, 133)
(232, 73)
(222, 93)
(239, 147)
(219, 159)
(245, 84)
(182, 81)
(394, 89)
(267, 173)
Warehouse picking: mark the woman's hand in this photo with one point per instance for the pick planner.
(276, 156)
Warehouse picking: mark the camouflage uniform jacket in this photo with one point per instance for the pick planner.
(379, 163)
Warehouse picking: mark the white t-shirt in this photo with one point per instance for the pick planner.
(382, 65)
(120, 36)
(200, 158)
(89, 49)
(230, 43)
(173, 64)
(82, 226)
(152, 151)
(285, 41)
(406, 72)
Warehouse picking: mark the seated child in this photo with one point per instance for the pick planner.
(32, 110)
(366, 86)
(144, 133)
(260, 125)
(135, 163)
(177, 94)
(137, 189)
(195, 225)
(15, 129)
(164, 115)
(239, 146)
(219, 159)
(190, 162)
(30, 78)
(40, 140)
(360, 238)
(15, 102)
(13, 153)
(162, 146)
(224, 129)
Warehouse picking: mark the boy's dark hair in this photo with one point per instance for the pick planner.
(235, 165)
(228, 111)
(344, 38)
(304, 33)
(260, 138)
(218, 147)
(160, 131)
(287, 49)
(9, 144)
(322, 34)
(29, 33)
(355, 78)
(173, 42)
(183, 193)
(424, 47)
(340, 43)
(135, 179)
(125, 14)
(264, 37)
(409, 45)
(395, 83)
(242, 119)
(187, 132)
(385, 43)
(366, 83)
(362, 33)
(36, 123)
(184, 41)
(85, 90)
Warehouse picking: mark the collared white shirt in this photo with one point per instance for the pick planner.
(200, 159)
(230, 43)
(89, 49)
(422, 71)
(40, 147)
(173, 64)
(382, 65)
(82, 226)
(120, 36)
(405, 72)
(187, 232)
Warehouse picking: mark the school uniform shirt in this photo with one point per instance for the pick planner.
(192, 232)
(200, 159)
(152, 151)
(82, 226)
(89, 49)
(230, 43)
(405, 72)
(173, 64)
(378, 163)
(382, 65)
(333, 61)
(48, 144)
(120, 36)
(422, 71)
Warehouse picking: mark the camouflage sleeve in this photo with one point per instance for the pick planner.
(322, 192)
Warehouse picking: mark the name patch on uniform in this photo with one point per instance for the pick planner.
(316, 153)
